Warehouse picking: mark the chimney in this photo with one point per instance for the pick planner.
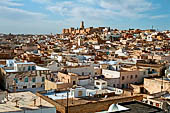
(16, 103)
(34, 102)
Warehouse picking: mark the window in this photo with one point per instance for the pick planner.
(80, 93)
(33, 79)
(126, 85)
(136, 76)
(26, 79)
(74, 82)
(103, 83)
(153, 70)
(33, 67)
(144, 73)
(16, 80)
(123, 77)
(131, 77)
(151, 103)
(123, 85)
(42, 85)
(19, 69)
(24, 87)
(149, 70)
(113, 85)
(97, 83)
(33, 86)
(23, 68)
(157, 104)
(29, 68)
(82, 73)
(43, 79)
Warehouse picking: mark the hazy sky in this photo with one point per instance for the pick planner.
(51, 16)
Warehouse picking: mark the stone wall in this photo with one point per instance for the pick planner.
(92, 106)
(98, 106)
(59, 108)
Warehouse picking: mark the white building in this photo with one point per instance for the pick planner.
(149, 38)
(78, 92)
(101, 84)
(112, 77)
(54, 66)
(23, 76)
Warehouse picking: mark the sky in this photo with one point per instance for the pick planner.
(51, 16)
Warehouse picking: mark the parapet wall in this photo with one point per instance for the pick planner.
(98, 106)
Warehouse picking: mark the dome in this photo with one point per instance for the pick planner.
(168, 76)
(113, 108)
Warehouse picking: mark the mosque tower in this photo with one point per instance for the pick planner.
(82, 25)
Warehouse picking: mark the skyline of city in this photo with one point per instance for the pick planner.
(51, 16)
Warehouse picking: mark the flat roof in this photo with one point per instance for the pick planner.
(85, 100)
(25, 63)
(108, 62)
(61, 96)
(81, 66)
(160, 79)
(57, 96)
(138, 107)
(10, 71)
(41, 68)
(100, 80)
(38, 68)
(25, 101)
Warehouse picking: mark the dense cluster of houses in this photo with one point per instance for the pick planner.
(87, 63)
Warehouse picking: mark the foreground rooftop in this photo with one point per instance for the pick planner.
(23, 101)
(136, 107)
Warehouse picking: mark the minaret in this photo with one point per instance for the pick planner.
(82, 25)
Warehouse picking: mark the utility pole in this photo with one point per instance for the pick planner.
(67, 103)
(162, 84)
